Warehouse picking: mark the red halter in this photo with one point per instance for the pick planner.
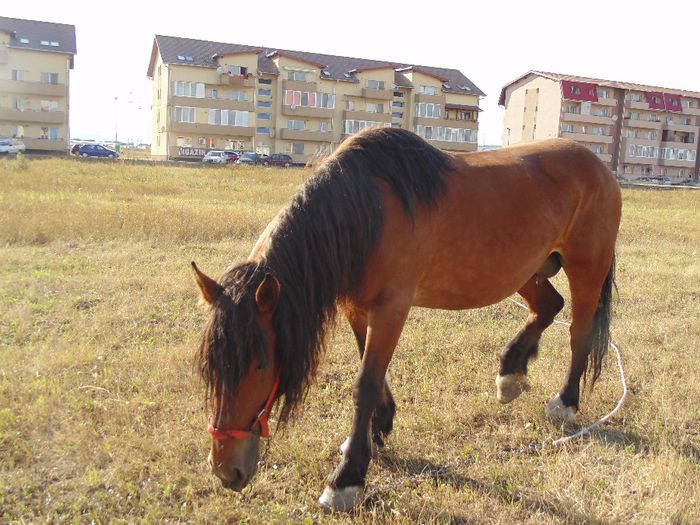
(223, 435)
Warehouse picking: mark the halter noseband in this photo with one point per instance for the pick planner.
(223, 435)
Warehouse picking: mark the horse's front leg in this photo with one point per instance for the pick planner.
(346, 485)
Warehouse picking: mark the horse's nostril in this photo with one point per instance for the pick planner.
(233, 479)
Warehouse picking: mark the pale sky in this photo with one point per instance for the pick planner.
(491, 42)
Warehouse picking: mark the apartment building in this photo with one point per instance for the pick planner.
(637, 130)
(35, 63)
(210, 95)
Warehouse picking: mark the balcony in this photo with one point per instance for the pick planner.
(639, 123)
(681, 127)
(676, 163)
(293, 85)
(434, 99)
(306, 135)
(589, 119)
(452, 123)
(211, 129)
(45, 144)
(633, 104)
(301, 111)
(238, 81)
(587, 137)
(212, 103)
(41, 117)
(33, 88)
(611, 102)
(378, 94)
(365, 115)
(453, 146)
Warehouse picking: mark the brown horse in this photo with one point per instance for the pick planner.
(388, 222)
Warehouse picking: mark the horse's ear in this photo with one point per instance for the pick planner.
(268, 294)
(209, 289)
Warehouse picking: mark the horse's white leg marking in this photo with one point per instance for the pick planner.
(510, 386)
(558, 412)
(341, 500)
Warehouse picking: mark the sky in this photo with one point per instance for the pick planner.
(492, 43)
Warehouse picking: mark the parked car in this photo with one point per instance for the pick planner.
(278, 159)
(95, 150)
(11, 146)
(249, 157)
(231, 156)
(215, 157)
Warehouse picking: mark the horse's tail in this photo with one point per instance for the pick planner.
(600, 332)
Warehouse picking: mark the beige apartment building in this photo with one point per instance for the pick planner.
(210, 95)
(637, 130)
(35, 63)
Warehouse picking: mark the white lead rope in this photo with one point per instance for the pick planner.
(586, 430)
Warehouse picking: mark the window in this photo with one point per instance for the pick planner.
(601, 112)
(375, 84)
(397, 115)
(297, 76)
(575, 90)
(397, 104)
(569, 108)
(237, 70)
(465, 115)
(296, 125)
(184, 114)
(650, 135)
(49, 78)
(428, 110)
(18, 104)
(371, 107)
(687, 103)
(428, 90)
(212, 93)
(446, 134)
(398, 94)
(596, 149)
(262, 131)
(633, 115)
(323, 126)
(296, 149)
(236, 95)
(17, 75)
(45, 134)
(226, 117)
(350, 105)
(599, 131)
(264, 103)
(49, 105)
(264, 116)
(631, 134)
(267, 81)
(353, 126)
(184, 142)
(567, 128)
(602, 93)
(311, 99)
(182, 88)
(264, 92)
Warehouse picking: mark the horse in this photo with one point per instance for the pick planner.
(385, 223)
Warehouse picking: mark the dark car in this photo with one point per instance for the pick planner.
(95, 150)
(231, 156)
(249, 157)
(278, 159)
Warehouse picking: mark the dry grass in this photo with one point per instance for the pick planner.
(101, 415)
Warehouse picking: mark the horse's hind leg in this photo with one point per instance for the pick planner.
(544, 303)
(383, 416)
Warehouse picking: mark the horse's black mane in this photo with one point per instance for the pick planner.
(318, 252)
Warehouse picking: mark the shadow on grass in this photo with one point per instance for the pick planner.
(413, 470)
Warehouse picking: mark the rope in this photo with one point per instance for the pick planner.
(441, 471)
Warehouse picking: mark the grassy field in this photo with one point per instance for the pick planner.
(101, 414)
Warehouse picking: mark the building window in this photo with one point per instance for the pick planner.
(236, 95)
(237, 70)
(17, 75)
(375, 84)
(267, 81)
(350, 105)
(296, 76)
(264, 92)
(567, 128)
(353, 126)
(296, 148)
(49, 105)
(182, 88)
(575, 90)
(262, 131)
(650, 135)
(323, 126)
(465, 115)
(371, 107)
(428, 90)
(601, 112)
(311, 99)
(398, 94)
(184, 114)
(212, 93)
(446, 134)
(264, 103)
(397, 104)
(599, 131)
(49, 78)
(428, 110)
(631, 134)
(264, 116)
(228, 117)
(397, 115)
(596, 149)
(296, 125)
(570, 108)
(602, 93)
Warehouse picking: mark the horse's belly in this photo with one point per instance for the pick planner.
(456, 294)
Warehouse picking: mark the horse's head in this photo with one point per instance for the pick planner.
(237, 361)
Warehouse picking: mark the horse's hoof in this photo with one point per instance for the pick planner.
(345, 445)
(510, 386)
(559, 413)
(341, 500)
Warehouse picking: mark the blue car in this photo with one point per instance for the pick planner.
(95, 150)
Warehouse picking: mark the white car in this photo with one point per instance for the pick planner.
(215, 157)
(11, 146)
